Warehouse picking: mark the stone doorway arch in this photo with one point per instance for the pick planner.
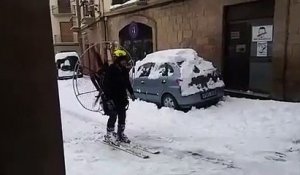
(137, 38)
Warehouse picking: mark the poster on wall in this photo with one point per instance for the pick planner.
(262, 49)
(262, 33)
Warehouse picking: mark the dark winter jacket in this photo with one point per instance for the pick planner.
(116, 83)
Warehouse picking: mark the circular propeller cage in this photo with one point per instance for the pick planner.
(85, 91)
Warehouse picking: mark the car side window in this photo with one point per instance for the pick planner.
(162, 70)
(145, 69)
(170, 70)
(166, 70)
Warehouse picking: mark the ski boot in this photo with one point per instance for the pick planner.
(123, 138)
(111, 138)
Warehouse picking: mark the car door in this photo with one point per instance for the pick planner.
(156, 85)
(139, 82)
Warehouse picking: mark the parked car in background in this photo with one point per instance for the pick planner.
(65, 64)
(177, 78)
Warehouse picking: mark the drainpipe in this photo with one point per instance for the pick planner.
(105, 19)
(105, 28)
(79, 35)
(284, 73)
(105, 37)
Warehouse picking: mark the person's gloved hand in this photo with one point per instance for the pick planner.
(132, 96)
(110, 105)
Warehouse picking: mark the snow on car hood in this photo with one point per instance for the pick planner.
(62, 73)
(197, 75)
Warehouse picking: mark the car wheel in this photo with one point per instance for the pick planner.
(169, 101)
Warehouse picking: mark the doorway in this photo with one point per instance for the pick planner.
(248, 46)
(137, 39)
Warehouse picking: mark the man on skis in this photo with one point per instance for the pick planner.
(115, 86)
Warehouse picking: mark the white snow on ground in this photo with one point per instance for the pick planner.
(190, 60)
(238, 136)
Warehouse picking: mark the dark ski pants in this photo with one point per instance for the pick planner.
(121, 115)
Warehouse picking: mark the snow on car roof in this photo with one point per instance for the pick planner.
(190, 61)
(63, 55)
(171, 55)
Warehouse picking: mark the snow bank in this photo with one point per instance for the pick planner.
(63, 55)
(192, 66)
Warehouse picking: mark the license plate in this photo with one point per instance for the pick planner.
(209, 94)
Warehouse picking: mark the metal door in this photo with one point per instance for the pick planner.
(237, 56)
(261, 55)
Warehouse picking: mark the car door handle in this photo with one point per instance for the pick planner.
(163, 81)
(142, 82)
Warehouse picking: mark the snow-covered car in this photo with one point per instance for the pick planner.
(177, 78)
(65, 64)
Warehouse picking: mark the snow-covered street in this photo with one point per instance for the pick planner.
(238, 136)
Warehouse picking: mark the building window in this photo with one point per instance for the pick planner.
(64, 6)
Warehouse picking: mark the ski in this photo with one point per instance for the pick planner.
(129, 150)
(141, 147)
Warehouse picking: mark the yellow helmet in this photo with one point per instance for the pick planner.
(119, 53)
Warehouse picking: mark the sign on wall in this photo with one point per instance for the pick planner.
(133, 30)
(262, 33)
(234, 35)
(262, 49)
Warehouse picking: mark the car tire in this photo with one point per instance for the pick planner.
(169, 101)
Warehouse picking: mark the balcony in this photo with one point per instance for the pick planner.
(75, 26)
(65, 39)
(63, 11)
(87, 20)
(89, 13)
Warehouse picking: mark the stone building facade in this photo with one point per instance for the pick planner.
(64, 39)
(214, 28)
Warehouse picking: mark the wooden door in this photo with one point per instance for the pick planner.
(65, 31)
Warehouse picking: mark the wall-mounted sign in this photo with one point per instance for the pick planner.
(133, 30)
(234, 35)
(262, 49)
(262, 33)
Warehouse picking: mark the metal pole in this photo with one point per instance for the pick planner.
(79, 35)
